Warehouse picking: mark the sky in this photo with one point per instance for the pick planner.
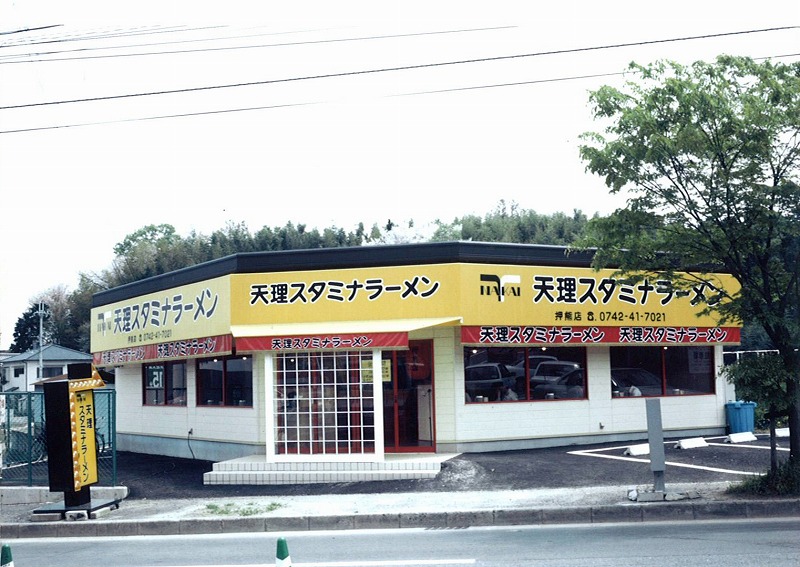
(117, 115)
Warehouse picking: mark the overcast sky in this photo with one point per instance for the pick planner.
(322, 113)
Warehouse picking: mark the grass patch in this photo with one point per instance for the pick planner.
(249, 509)
(785, 481)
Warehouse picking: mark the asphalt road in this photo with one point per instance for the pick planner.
(663, 544)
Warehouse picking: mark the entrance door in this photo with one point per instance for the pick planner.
(408, 399)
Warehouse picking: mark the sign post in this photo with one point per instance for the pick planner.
(71, 448)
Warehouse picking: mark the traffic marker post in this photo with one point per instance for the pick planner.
(282, 558)
(5, 556)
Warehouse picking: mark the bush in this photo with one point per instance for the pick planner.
(785, 481)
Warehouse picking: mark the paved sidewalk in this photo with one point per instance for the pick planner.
(403, 510)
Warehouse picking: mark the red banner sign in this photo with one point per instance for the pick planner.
(511, 335)
(347, 341)
(222, 344)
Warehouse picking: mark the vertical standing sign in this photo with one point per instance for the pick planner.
(70, 419)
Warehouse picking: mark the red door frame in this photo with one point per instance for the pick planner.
(396, 446)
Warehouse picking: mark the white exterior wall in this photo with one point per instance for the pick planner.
(601, 415)
(24, 382)
(488, 426)
(208, 424)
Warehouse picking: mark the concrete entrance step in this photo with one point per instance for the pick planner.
(256, 470)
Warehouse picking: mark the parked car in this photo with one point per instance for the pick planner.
(487, 379)
(550, 371)
(534, 361)
(634, 382)
(568, 387)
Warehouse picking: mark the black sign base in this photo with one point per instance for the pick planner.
(90, 507)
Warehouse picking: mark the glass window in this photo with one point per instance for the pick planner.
(52, 371)
(501, 374)
(226, 381)
(689, 370)
(660, 371)
(164, 384)
(324, 403)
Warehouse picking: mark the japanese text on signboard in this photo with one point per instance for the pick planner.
(154, 314)
(84, 436)
(174, 349)
(589, 335)
(320, 342)
(340, 291)
(590, 290)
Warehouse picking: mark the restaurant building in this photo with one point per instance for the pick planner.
(290, 365)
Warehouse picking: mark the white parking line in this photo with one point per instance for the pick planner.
(746, 446)
(594, 453)
(375, 563)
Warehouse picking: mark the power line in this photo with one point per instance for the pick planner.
(26, 30)
(95, 35)
(224, 111)
(230, 48)
(393, 69)
(555, 80)
(161, 117)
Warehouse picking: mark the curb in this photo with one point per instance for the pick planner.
(39, 494)
(621, 513)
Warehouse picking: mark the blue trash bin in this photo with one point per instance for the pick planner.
(741, 416)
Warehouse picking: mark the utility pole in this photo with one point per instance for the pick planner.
(40, 312)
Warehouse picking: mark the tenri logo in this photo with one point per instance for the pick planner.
(500, 286)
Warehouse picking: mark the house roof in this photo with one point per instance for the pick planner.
(50, 353)
(353, 257)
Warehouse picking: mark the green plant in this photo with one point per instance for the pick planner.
(249, 509)
(784, 481)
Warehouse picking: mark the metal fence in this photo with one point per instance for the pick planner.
(23, 445)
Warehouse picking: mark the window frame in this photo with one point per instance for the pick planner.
(168, 389)
(225, 397)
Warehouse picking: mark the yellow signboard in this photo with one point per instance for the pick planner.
(187, 312)
(475, 294)
(358, 294)
(479, 294)
(559, 296)
(82, 429)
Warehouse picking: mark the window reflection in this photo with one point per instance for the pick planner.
(660, 371)
(502, 374)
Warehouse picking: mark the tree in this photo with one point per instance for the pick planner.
(509, 223)
(26, 329)
(709, 155)
(80, 301)
(57, 322)
(762, 379)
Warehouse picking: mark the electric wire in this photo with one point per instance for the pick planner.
(276, 106)
(228, 48)
(473, 87)
(386, 69)
(27, 30)
(159, 117)
(92, 36)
